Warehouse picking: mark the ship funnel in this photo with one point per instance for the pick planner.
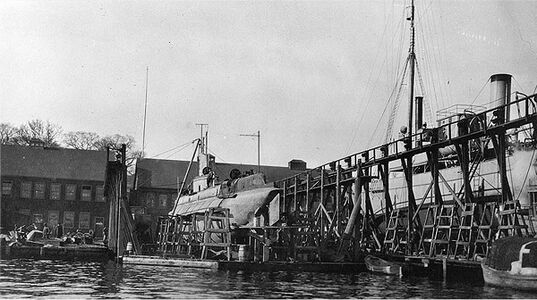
(500, 91)
(419, 112)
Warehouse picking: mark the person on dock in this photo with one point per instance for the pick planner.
(415, 241)
(105, 236)
(46, 231)
(59, 230)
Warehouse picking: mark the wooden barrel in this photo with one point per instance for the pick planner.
(244, 253)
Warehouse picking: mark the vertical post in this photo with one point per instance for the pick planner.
(338, 195)
(307, 192)
(259, 151)
(258, 136)
(383, 168)
(295, 194)
(145, 108)
(322, 202)
(284, 198)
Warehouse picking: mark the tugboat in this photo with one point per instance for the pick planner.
(512, 262)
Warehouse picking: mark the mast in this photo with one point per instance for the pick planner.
(145, 108)
(412, 60)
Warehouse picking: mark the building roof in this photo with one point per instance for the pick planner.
(54, 163)
(162, 173)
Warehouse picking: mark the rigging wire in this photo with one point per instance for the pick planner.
(177, 151)
(395, 105)
(212, 152)
(182, 145)
(372, 90)
(481, 90)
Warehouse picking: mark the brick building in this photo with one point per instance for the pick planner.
(53, 185)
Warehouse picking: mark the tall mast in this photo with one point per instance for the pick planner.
(409, 170)
(145, 107)
(412, 59)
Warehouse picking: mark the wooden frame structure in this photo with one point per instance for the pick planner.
(336, 196)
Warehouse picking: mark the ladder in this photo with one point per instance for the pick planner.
(484, 228)
(395, 239)
(181, 236)
(427, 234)
(163, 234)
(446, 222)
(465, 243)
(511, 222)
(216, 234)
(305, 239)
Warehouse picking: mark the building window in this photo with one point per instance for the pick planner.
(98, 226)
(39, 190)
(99, 221)
(53, 218)
(26, 190)
(55, 190)
(84, 220)
(6, 188)
(86, 193)
(99, 194)
(38, 218)
(68, 219)
(163, 200)
(70, 192)
(150, 200)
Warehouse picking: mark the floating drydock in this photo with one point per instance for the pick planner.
(433, 199)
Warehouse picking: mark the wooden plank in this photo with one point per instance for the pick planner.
(169, 262)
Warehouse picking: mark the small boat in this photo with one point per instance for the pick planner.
(512, 263)
(379, 265)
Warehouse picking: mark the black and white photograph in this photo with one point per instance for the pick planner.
(289, 149)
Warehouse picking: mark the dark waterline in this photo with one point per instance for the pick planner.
(60, 279)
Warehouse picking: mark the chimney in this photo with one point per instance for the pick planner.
(500, 92)
(419, 112)
(297, 165)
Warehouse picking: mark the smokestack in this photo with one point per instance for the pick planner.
(500, 92)
(419, 112)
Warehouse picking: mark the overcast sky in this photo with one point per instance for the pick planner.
(313, 76)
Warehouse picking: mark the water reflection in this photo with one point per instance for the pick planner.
(59, 279)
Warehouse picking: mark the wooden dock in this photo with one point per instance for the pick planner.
(71, 252)
(330, 267)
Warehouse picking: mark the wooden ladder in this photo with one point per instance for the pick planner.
(484, 228)
(446, 222)
(511, 222)
(395, 232)
(427, 234)
(181, 236)
(217, 234)
(465, 243)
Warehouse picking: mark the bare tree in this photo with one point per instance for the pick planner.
(7, 134)
(36, 129)
(81, 140)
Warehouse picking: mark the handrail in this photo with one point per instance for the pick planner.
(395, 149)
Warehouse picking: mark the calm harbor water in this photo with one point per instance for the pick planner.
(60, 279)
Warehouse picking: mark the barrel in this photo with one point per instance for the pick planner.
(129, 248)
(244, 254)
